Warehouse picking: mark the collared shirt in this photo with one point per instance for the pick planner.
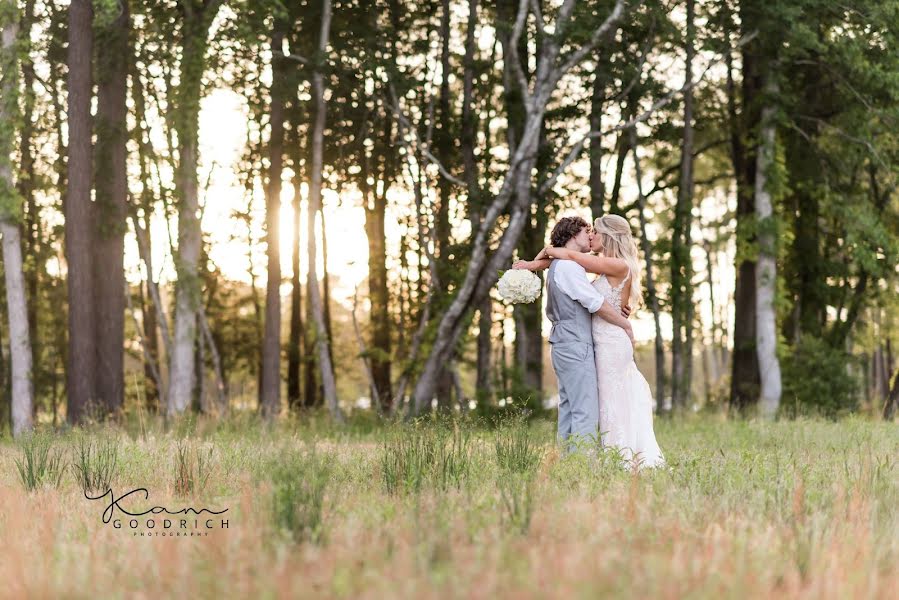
(571, 279)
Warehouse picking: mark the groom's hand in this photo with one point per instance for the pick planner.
(630, 333)
(626, 311)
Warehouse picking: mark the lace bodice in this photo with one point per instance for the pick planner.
(611, 294)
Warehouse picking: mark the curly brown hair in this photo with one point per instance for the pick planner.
(565, 229)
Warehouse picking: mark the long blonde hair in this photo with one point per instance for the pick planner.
(618, 242)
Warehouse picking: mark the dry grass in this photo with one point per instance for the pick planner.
(806, 509)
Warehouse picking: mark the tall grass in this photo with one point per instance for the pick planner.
(426, 455)
(805, 509)
(41, 462)
(94, 462)
(299, 483)
(517, 450)
(193, 467)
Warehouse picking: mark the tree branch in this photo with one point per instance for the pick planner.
(576, 150)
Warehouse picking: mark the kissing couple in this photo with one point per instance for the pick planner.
(592, 341)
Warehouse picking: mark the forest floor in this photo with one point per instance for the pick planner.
(792, 509)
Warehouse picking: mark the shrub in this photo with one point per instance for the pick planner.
(816, 380)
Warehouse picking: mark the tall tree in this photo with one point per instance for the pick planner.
(79, 212)
(322, 340)
(111, 182)
(295, 342)
(10, 215)
(766, 269)
(681, 241)
(745, 375)
(270, 388)
(652, 296)
(197, 17)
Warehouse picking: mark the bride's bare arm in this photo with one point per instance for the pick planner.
(539, 263)
(593, 264)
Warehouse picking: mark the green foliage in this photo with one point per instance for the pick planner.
(299, 484)
(816, 380)
(41, 462)
(95, 463)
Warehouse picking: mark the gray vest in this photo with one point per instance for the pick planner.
(571, 321)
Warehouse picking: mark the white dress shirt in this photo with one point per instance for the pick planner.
(571, 279)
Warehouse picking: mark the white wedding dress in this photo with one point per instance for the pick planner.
(625, 400)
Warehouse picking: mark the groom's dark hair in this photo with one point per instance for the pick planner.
(565, 229)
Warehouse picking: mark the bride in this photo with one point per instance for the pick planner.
(625, 400)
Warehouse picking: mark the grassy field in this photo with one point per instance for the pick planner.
(805, 509)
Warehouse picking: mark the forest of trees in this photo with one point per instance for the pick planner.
(752, 145)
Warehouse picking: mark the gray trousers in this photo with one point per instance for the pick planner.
(578, 394)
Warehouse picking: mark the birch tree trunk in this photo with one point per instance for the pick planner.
(314, 206)
(270, 380)
(10, 211)
(186, 109)
(766, 267)
(79, 223)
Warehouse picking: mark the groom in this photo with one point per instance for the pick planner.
(570, 303)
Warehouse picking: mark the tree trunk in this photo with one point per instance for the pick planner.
(766, 269)
(468, 142)
(294, 344)
(891, 406)
(375, 214)
(681, 263)
(314, 206)
(186, 109)
(619, 171)
(22, 399)
(597, 104)
(651, 293)
(26, 185)
(745, 377)
(270, 388)
(79, 223)
(111, 179)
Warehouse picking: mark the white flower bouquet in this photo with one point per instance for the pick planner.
(519, 286)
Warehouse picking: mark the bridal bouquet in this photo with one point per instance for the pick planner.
(519, 286)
